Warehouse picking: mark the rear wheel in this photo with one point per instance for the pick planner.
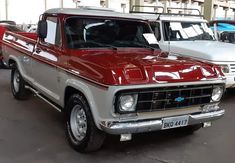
(81, 131)
(18, 85)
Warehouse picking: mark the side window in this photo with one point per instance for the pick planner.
(156, 29)
(53, 31)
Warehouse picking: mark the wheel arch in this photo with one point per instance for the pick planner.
(85, 92)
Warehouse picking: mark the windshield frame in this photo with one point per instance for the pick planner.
(145, 23)
(166, 39)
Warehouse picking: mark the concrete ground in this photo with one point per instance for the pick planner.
(32, 131)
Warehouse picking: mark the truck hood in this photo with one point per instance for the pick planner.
(209, 50)
(138, 66)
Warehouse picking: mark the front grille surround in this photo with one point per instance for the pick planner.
(166, 98)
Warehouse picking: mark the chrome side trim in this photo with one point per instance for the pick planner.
(43, 98)
(114, 127)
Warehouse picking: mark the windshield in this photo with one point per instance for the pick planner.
(187, 31)
(97, 32)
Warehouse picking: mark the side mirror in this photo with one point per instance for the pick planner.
(42, 29)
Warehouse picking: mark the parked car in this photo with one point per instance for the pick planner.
(5, 27)
(32, 28)
(8, 22)
(224, 29)
(105, 72)
(231, 22)
(189, 35)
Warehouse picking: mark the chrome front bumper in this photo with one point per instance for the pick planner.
(118, 128)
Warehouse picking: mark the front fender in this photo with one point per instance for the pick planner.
(86, 90)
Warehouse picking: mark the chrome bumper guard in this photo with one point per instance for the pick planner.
(114, 127)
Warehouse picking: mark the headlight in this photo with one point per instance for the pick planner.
(217, 93)
(127, 103)
(224, 68)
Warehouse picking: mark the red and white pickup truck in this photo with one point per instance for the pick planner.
(104, 70)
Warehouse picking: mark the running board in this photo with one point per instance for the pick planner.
(42, 97)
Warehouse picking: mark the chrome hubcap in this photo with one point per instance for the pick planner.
(78, 122)
(16, 81)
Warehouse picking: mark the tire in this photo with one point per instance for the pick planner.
(81, 131)
(18, 85)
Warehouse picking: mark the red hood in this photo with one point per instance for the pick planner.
(138, 66)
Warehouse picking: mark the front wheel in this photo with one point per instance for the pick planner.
(81, 131)
(18, 85)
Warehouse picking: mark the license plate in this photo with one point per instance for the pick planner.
(174, 122)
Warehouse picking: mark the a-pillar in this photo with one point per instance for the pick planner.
(138, 3)
(208, 9)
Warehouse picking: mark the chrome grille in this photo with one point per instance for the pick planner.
(174, 97)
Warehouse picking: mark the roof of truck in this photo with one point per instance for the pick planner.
(93, 11)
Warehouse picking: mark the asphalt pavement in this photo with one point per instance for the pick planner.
(33, 132)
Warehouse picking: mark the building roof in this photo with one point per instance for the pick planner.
(93, 11)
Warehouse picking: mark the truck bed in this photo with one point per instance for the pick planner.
(18, 42)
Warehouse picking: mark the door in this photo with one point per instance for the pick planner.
(47, 54)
